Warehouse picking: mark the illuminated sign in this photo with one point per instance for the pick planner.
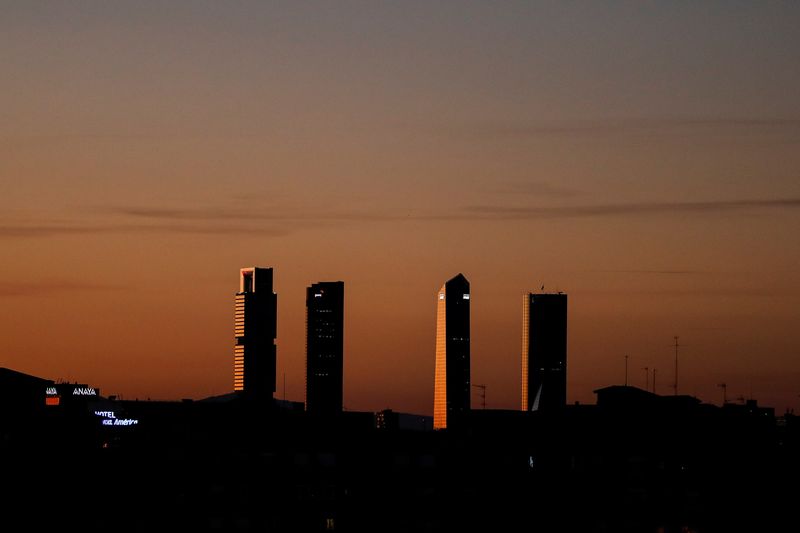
(52, 400)
(120, 422)
(51, 391)
(110, 419)
(84, 391)
(466, 296)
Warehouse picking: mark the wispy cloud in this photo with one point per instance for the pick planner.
(57, 230)
(698, 292)
(520, 129)
(506, 212)
(266, 223)
(51, 287)
(45, 230)
(206, 229)
(657, 272)
(535, 188)
(214, 214)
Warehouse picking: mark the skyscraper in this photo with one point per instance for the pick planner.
(451, 385)
(544, 351)
(324, 347)
(255, 328)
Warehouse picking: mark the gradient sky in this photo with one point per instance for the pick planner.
(643, 157)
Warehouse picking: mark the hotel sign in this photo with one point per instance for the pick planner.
(110, 419)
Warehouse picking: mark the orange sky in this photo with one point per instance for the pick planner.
(643, 159)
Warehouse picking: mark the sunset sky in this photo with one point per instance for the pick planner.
(643, 157)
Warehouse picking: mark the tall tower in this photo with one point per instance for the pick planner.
(324, 347)
(255, 328)
(451, 385)
(544, 351)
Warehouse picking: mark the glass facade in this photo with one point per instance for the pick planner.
(452, 373)
(440, 378)
(525, 343)
(544, 351)
(255, 328)
(324, 347)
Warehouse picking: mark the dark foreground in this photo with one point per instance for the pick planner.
(244, 466)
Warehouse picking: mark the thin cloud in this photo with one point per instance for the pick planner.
(235, 229)
(211, 214)
(501, 212)
(53, 230)
(656, 272)
(43, 231)
(521, 129)
(734, 121)
(212, 221)
(51, 287)
(535, 188)
(174, 213)
(719, 293)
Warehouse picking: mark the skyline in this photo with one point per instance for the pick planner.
(643, 159)
(246, 285)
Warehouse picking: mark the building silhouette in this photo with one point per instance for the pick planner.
(452, 381)
(255, 328)
(544, 351)
(324, 347)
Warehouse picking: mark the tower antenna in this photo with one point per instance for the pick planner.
(675, 386)
(483, 393)
(626, 370)
(646, 378)
(724, 387)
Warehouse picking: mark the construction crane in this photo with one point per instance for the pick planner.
(483, 393)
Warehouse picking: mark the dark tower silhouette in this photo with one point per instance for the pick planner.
(544, 351)
(324, 347)
(255, 328)
(452, 382)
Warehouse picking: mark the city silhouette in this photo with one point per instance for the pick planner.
(261, 266)
(247, 460)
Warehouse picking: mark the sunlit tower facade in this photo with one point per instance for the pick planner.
(452, 379)
(324, 347)
(255, 329)
(544, 351)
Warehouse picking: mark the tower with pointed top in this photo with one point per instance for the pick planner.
(452, 378)
(544, 351)
(255, 329)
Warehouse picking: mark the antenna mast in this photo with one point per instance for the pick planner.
(483, 393)
(724, 387)
(626, 370)
(676, 365)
